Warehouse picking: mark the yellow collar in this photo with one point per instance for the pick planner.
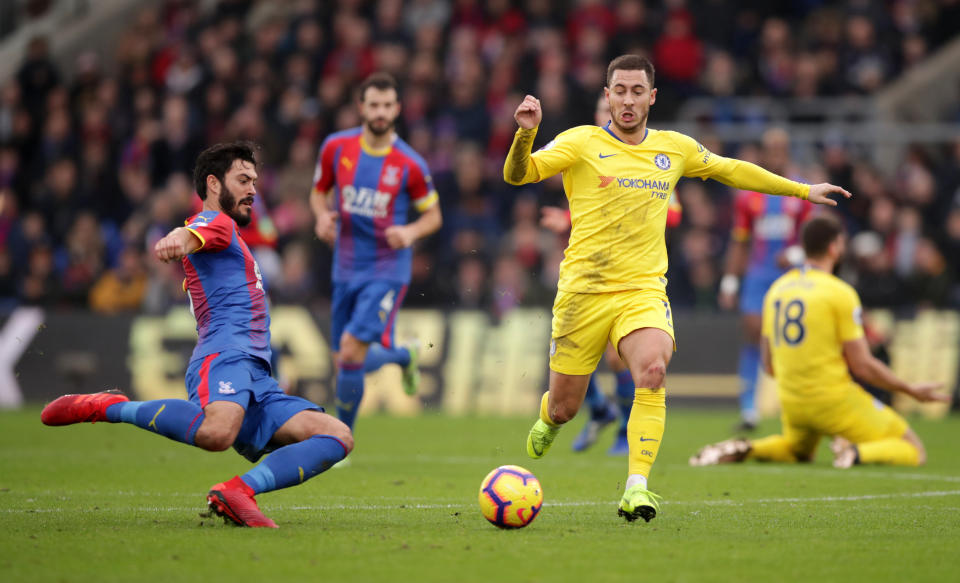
(374, 152)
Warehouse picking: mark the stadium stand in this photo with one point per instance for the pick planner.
(95, 155)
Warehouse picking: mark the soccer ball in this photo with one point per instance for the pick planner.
(510, 497)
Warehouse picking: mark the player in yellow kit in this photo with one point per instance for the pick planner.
(618, 181)
(812, 339)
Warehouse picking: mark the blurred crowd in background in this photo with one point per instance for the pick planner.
(96, 158)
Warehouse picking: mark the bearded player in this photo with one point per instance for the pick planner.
(366, 180)
(232, 398)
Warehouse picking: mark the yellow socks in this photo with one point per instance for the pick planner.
(544, 411)
(645, 430)
(893, 451)
(774, 448)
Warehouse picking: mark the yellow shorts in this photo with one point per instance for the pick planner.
(856, 416)
(583, 323)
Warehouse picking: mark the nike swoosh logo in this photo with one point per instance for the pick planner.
(642, 439)
(607, 156)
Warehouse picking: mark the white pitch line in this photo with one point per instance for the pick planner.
(562, 504)
(855, 473)
(585, 461)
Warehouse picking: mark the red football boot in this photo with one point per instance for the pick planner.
(70, 409)
(233, 500)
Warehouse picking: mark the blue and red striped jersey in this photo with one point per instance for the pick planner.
(373, 190)
(225, 290)
(770, 223)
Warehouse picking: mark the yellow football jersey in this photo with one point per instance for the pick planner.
(807, 316)
(619, 195)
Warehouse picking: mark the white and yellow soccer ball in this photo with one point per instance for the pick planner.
(510, 497)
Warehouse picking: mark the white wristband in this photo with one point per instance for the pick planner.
(794, 255)
(729, 284)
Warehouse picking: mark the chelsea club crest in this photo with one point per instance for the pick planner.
(662, 161)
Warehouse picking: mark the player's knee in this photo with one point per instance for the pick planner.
(339, 430)
(214, 437)
(329, 426)
(653, 374)
(346, 438)
(561, 412)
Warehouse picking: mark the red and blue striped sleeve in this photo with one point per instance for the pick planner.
(323, 174)
(214, 229)
(420, 186)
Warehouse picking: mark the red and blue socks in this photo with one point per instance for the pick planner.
(295, 463)
(625, 393)
(349, 391)
(173, 418)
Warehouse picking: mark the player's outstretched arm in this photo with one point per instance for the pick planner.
(517, 167)
(178, 243)
(749, 176)
(869, 369)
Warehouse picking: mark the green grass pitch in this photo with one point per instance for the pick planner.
(112, 503)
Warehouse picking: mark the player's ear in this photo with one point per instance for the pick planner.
(213, 185)
(653, 96)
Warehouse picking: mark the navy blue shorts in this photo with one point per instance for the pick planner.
(243, 379)
(366, 310)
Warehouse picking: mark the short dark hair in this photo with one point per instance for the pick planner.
(217, 160)
(381, 81)
(631, 63)
(818, 233)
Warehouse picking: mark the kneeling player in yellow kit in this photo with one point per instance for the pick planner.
(618, 180)
(812, 340)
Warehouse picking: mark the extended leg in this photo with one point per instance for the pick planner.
(177, 419)
(647, 352)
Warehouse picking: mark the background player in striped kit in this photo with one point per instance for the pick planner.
(366, 179)
(763, 245)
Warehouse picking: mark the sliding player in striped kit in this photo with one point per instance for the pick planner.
(233, 400)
